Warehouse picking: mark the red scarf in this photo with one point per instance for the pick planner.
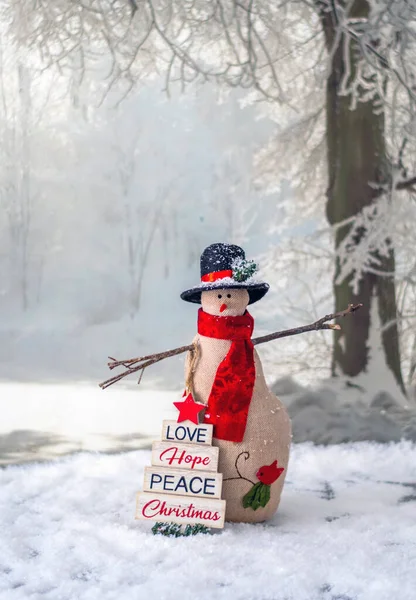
(232, 390)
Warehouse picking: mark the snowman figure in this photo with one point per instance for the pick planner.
(251, 426)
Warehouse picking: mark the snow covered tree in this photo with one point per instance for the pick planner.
(357, 162)
(339, 77)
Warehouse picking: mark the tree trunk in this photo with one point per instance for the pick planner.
(356, 156)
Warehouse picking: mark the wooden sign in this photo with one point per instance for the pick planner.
(183, 485)
(185, 456)
(180, 509)
(187, 432)
(186, 483)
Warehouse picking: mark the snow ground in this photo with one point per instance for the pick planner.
(345, 530)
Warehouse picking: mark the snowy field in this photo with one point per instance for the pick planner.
(345, 530)
(45, 421)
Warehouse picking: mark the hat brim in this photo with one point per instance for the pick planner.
(256, 290)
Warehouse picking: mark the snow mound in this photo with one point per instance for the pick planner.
(345, 529)
(332, 415)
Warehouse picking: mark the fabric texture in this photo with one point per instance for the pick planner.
(267, 435)
(232, 389)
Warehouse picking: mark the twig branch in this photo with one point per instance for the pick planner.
(406, 184)
(145, 361)
(139, 364)
(133, 6)
(320, 324)
(132, 361)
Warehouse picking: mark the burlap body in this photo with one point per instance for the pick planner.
(267, 436)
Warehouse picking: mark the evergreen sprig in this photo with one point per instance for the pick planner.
(244, 269)
(177, 530)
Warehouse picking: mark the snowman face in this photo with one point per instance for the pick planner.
(225, 303)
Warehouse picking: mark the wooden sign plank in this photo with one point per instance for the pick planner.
(187, 432)
(181, 482)
(180, 509)
(185, 456)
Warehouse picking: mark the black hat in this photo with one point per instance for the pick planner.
(225, 266)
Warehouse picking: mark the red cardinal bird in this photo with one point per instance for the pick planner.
(269, 473)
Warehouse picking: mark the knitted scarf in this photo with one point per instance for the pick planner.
(232, 390)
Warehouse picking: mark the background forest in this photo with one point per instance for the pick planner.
(133, 134)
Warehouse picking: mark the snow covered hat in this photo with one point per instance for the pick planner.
(225, 266)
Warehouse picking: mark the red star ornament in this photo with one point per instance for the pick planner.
(188, 409)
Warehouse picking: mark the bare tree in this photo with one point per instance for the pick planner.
(142, 221)
(16, 193)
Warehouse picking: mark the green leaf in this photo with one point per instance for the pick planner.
(264, 495)
(257, 500)
(250, 496)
